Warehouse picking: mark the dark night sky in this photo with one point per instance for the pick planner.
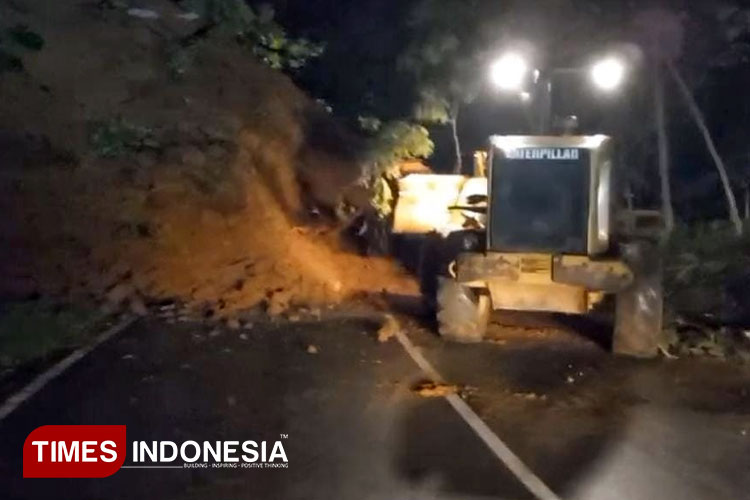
(371, 33)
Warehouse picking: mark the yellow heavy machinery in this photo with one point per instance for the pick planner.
(541, 231)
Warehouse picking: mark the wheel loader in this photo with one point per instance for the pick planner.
(537, 228)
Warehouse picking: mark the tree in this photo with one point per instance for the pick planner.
(254, 28)
(432, 108)
(663, 148)
(734, 57)
(395, 141)
(739, 173)
(453, 43)
(443, 62)
(388, 145)
(661, 34)
(700, 122)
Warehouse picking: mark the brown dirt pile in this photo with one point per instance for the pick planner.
(213, 206)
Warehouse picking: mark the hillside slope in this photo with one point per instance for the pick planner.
(133, 165)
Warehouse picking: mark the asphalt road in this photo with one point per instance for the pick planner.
(589, 425)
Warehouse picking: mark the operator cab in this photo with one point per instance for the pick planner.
(549, 194)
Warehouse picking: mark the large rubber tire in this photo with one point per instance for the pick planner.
(435, 256)
(639, 310)
(429, 270)
(462, 313)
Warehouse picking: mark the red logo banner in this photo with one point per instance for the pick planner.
(74, 451)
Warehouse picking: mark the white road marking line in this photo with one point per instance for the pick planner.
(56, 370)
(525, 475)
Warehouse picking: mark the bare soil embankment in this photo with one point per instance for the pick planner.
(125, 181)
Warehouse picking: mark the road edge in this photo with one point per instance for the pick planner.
(40, 381)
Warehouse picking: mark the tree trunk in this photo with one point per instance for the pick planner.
(663, 147)
(457, 166)
(734, 215)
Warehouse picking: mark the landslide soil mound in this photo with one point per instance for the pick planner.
(122, 175)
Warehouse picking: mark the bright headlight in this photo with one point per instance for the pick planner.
(509, 72)
(608, 74)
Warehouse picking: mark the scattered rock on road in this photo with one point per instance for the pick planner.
(389, 328)
(430, 389)
(530, 396)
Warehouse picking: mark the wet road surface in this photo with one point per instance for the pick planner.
(589, 425)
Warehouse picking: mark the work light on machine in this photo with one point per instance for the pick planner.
(608, 74)
(508, 73)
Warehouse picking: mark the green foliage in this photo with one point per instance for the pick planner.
(230, 16)
(382, 197)
(445, 59)
(13, 42)
(397, 141)
(257, 29)
(706, 283)
(369, 124)
(444, 56)
(37, 329)
(706, 255)
(280, 52)
(432, 108)
(390, 144)
(117, 137)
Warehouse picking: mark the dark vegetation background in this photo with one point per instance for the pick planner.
(360, 74)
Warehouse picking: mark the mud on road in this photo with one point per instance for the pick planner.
(588, 424)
